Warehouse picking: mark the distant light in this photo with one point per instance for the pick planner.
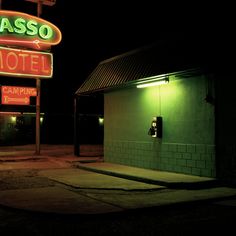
(101, 121)
(41, 119)
(155, 83)
(13, 119)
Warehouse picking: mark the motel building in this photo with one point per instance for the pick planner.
(18, 127)
(164, 109)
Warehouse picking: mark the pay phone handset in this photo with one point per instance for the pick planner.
(156, 127)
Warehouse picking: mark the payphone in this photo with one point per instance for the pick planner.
(156, 127)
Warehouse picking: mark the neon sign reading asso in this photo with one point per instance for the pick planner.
(21, 29)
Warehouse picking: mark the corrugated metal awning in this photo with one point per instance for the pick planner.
(151, 60)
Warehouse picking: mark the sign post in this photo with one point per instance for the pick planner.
(38, 87)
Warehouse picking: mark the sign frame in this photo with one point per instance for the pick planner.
(15, 95)
(8, 68)
(28, 31)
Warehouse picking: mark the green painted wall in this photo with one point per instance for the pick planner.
(188, 142)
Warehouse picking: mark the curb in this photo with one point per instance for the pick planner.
(171, 185)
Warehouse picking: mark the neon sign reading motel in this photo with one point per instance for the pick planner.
(21, 29)
(25, 63)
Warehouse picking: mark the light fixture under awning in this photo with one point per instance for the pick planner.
(153, 82)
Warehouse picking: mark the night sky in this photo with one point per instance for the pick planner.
(96, 30)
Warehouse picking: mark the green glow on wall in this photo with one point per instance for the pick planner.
(187, 118)
(187, 143)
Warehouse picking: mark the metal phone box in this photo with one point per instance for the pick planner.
(156, 127)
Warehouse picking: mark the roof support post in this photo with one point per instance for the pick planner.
(76, 128)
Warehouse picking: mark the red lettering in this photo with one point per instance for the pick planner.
(25, 63)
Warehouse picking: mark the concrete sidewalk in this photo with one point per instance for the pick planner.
(75, 191)
(71, 185)
(165, 178)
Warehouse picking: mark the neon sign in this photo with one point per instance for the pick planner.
(12, 95)
(25, 63)
(21, 29)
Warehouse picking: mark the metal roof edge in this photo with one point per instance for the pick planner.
(182, 73)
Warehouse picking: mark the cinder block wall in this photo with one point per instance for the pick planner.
(187, 145)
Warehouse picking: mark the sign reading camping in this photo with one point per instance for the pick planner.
(12, 95)
(25, 63)
(21, 29)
